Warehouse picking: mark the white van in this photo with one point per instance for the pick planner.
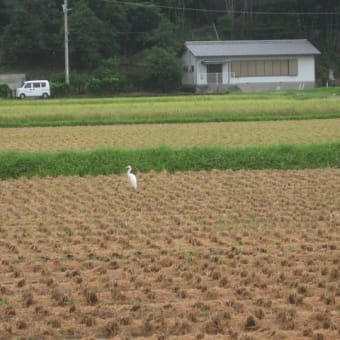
(34, 88)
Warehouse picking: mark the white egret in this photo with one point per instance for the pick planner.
(132, 177)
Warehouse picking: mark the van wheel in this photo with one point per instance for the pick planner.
(45, 95)
(22, 96)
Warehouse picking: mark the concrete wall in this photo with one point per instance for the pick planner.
(12, 80)
(251, 87)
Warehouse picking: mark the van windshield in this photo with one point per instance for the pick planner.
(27, 86)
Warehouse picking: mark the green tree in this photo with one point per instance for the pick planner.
(33, 34)
(31, 31)
(114, 15)
(142, 21)
(91, 40)
(160, 70)
(109, 68)
(106, 78)
(4, 14)
(163, 35)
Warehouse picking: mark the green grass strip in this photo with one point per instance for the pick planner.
(166, 120)
(108, 161)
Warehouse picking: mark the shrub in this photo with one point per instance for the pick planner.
(107, 85)
(60, 89)
(109, 67)
(57, 77)
(161, 70)
(5, 91)
(79, 81)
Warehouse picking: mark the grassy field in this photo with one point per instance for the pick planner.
(177, 109)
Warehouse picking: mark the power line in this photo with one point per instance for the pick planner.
(226, 11)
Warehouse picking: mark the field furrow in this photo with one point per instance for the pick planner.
(220, 254)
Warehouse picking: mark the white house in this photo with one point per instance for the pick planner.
(250, 65)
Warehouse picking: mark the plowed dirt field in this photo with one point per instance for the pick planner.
(213, 255)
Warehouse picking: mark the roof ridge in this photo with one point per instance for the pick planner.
(199, 42)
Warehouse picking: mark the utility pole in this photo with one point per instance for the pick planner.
(67, 71)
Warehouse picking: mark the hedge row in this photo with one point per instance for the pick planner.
(107, 161)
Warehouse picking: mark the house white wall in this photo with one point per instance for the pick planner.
(189, 62)
(306, 68)
(198, 76)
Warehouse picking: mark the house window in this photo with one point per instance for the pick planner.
(244, 69)
(251, 68)
(265, 68)
(259, 67)
(268, 68)
(276, 67)
(284, 67)
(293, 67)
(192, 68)
(236, 68)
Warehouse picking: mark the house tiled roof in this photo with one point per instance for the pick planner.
(239, 48)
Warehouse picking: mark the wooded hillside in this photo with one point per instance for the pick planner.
(132, 40)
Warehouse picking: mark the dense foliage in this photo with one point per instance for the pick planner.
(161, 70)
(5, 90)
(32, 38)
